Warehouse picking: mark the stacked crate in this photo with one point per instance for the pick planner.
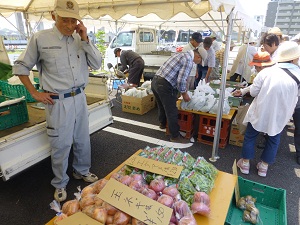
(186, 123)
(206, 130)
(17, 90)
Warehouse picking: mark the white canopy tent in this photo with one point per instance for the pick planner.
(170, 13)
(166, 10)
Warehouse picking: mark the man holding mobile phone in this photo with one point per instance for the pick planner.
(63, 55)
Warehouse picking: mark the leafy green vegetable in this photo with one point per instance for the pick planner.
(201, 182)
(186, 190)
(206, 168)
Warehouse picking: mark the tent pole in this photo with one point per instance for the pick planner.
(214, 155)
(245, 57)
(28, 29)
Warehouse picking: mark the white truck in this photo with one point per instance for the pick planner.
(143, 41)
(28, 146)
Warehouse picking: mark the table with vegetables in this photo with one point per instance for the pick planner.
(201, 194)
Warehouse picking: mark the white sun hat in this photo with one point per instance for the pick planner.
(287, 51)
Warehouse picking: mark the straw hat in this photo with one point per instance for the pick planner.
(287, 51)
(67, 8)
(275, 30)
(261, 59)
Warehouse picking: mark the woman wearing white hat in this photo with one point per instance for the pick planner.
(276, 95)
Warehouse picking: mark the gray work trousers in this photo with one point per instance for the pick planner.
(67, 125)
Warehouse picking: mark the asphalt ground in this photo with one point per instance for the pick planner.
(25, 197)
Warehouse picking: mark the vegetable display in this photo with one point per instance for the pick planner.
(186, 195)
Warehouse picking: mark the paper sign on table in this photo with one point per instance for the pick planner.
(154, 166)
(79, 218)
(135, 204)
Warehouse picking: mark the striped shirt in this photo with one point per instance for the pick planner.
(177, 69)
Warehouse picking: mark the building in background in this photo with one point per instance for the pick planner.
(271, 13)
(284, 14)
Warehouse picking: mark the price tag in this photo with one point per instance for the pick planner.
(135, 204)
(153, 166)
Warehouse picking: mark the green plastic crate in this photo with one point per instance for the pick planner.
(12, 115)
(228, 84)
(236, 101)
(233, 101)
(18, 90)
(270, 201)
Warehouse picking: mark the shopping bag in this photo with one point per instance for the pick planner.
(242, 111)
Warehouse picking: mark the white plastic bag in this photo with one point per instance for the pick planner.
(201, 100)
(210, 101)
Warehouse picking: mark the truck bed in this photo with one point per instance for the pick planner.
(36, 116)
(25, 145)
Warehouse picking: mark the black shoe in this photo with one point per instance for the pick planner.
(162, 126)
(298, 160)
(180, 139)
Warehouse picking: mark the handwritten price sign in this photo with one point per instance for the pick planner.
(153, 166)
(135, 204)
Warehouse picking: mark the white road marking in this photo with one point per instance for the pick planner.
(140, 124)
(146, 138)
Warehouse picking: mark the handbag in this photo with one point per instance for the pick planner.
(242, 111)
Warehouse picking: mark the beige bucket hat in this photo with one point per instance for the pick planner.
(67, 8)
(287, 51)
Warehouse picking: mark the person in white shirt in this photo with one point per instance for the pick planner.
(204, 70)
(194, 43)
(215, 44)
(276, 95)
(271, 44)
(240, 67)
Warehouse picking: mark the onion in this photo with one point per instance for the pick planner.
(149, 193)
(137, 176)
(157, 185)
(87, 191)
(98, 201)
(135, 221)
(136, 185)
(109, 219)
(110, 209)
(70, 207)
(100, 214)
(87, 200)
(202, 197)
(126, 180)
(171, 191)
(187, 220)
(173, 218)
(99, 185)
(121, 218)
(166, 200)
(181, 209)
(200, 208)
(116, 176)
(59, 218)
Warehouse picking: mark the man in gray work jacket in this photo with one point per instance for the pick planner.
(63, 55)
(134, 61)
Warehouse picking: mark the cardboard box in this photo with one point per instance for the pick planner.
(235, 137)
(138, 105)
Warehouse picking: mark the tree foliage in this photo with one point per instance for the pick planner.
(100, 43)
